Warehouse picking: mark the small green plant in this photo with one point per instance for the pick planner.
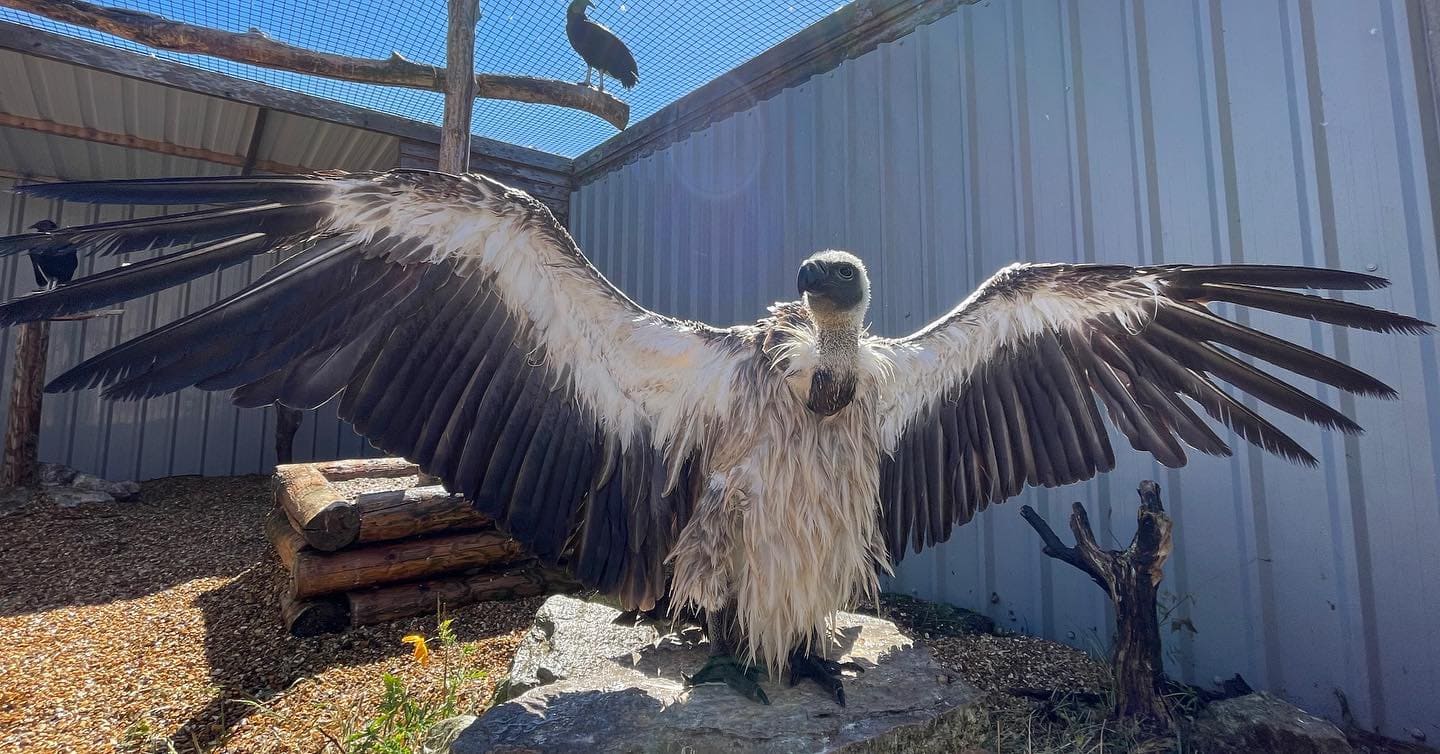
(403, 717)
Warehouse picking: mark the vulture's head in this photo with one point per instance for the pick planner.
(578, 7)
(835, 287)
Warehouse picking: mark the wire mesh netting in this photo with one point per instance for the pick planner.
(678, 46)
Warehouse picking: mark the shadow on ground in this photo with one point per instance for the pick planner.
(253, 660)
(182, 529)
(186, 529)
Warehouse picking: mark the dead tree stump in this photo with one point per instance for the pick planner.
(1132, 579)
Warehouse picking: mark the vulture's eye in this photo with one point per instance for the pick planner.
(846, 273)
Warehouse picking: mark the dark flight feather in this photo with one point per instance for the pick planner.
(1028, 413)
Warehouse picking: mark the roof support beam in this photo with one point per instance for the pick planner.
(86, 133)
(71, 51)
(257, 134)
(256, 48)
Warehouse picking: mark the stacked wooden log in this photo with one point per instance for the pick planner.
(359, 558)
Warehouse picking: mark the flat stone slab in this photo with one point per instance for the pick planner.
(1263, 722)
(581, 683)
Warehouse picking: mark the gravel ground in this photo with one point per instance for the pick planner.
(138, 627)
(133, 627)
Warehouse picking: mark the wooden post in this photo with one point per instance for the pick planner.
(1132, 579)
(459, 86)
(22, 434)
(459, 101)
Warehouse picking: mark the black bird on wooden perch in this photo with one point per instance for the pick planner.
(52, 257)
(601, 49)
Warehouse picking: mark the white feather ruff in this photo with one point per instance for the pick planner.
(789, 527)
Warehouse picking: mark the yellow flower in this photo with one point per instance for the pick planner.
(422, 650)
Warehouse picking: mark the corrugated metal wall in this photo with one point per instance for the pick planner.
(191, 432)
(1271, 131)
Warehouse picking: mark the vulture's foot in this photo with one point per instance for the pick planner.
(723, 668)
(825, 673)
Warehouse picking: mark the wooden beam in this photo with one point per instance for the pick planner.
(257, 135)
(853, 30)
(154, 71)
(86, 133)
(256, 48)
(459, 85)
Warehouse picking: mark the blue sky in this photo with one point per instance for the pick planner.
(678, 46)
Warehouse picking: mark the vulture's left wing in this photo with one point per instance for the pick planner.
(1002, 392)
(458, 324)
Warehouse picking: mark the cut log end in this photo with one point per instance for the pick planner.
(315, 508)
(332, 527)
(325, 615)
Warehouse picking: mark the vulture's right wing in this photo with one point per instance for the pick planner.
(458, 324)
(1004, 391)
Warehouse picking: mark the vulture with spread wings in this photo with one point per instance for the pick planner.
(760, 476)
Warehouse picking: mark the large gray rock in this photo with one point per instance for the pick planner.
(75, 497)
(1261, 722)
(581, 683)
(69, 488)
(55, 474)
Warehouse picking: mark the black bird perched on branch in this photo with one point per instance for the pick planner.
(601, 49)
(763, 475)
(52, 256)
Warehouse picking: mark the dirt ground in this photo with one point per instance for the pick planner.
(152, 627)
(143, 626)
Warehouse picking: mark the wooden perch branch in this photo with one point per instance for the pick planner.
(257, 48)
(1132, 578)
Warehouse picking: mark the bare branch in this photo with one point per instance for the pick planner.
(256, 48)
(1057, 549)
(1090, 551)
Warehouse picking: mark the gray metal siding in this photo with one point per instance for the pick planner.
(190, 432)
(1280, 131)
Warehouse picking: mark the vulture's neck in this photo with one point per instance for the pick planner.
(837, 363)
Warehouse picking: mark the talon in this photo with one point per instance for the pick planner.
(826, 673)
(731, 672)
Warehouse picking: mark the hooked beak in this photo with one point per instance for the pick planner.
(811, 274)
